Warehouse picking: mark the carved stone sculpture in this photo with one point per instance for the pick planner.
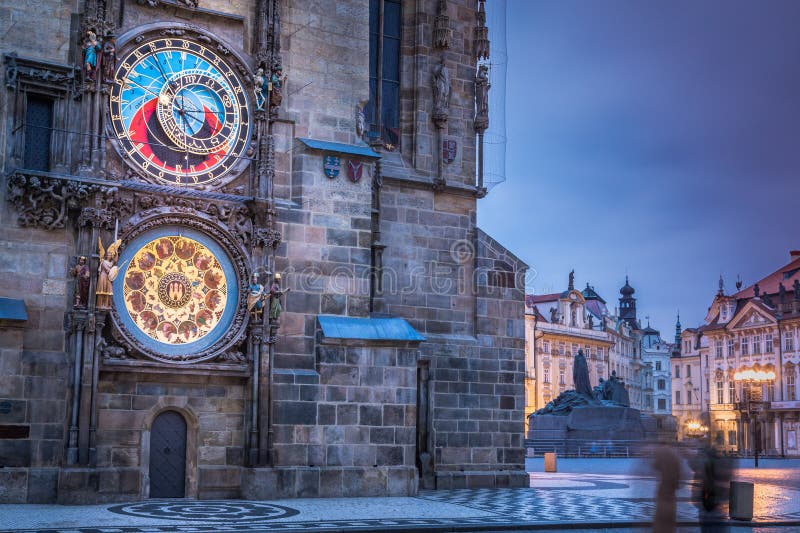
(109, 63)
(441, 26)
(482, 87)
(441, 94)
(255, 298)
(90, 49)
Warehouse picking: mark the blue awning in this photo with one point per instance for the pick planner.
(340, 148)
(373, 329)
(13, 309)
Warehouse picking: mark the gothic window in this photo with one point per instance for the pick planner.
(383, 109)
(38, 129)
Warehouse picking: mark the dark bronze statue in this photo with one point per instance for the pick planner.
(580, 375)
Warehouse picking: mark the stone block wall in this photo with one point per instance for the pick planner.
(128, 401)
(350, 425)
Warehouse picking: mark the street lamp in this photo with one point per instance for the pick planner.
(695, 429)
(753, 406)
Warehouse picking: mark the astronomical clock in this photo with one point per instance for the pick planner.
(179, 112)
(181, 120)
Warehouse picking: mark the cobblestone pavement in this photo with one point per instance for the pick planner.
(616, 496)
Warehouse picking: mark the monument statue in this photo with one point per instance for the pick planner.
(580, 375)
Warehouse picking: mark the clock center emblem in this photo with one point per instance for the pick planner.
(174, 290)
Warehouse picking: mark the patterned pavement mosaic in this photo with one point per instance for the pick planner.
(555, 501)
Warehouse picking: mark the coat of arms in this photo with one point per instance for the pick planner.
(354, 170)
(331, 164)
(449, 150)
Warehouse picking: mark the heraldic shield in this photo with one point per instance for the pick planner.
(354, 170)
(331, 164)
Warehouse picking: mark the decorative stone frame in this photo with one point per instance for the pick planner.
(180, 406)
(163, 216)
(56, 81)
(134, 37)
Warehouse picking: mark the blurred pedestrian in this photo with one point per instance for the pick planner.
(667, 464)
(712, 478)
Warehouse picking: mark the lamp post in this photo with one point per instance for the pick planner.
(748, 378)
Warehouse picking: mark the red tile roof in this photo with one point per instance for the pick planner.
(539, 298)
(786, 275)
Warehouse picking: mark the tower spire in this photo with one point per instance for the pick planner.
(721, 291)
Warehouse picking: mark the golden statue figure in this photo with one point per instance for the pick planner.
(106, 273)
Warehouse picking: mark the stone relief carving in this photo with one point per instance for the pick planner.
(45, 202)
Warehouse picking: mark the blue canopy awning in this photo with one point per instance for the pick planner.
(340, 148)
(372, 329)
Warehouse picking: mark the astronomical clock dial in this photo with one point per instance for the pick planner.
(176, 293)
(179, 112)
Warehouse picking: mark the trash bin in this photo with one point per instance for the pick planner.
(741, 500)
(550, 462)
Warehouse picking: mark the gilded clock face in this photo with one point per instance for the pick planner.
(179, 111)
(176, 293)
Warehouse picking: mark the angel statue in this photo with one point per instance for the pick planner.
(106, 273)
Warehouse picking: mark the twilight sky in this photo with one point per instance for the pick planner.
(657, 139)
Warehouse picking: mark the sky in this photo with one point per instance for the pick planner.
(655, 139)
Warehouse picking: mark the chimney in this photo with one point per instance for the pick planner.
(794, 254)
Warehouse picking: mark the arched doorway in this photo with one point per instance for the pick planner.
(168, 456)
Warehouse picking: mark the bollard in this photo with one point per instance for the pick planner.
(550, 462)
(741, 500)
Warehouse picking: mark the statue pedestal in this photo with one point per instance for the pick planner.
(583, 424)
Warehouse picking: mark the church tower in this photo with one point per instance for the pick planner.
(627, 305)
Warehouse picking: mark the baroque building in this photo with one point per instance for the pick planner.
(559, 324)
(747, 352)
(240, 256)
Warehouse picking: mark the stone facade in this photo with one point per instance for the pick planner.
(278, 405)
